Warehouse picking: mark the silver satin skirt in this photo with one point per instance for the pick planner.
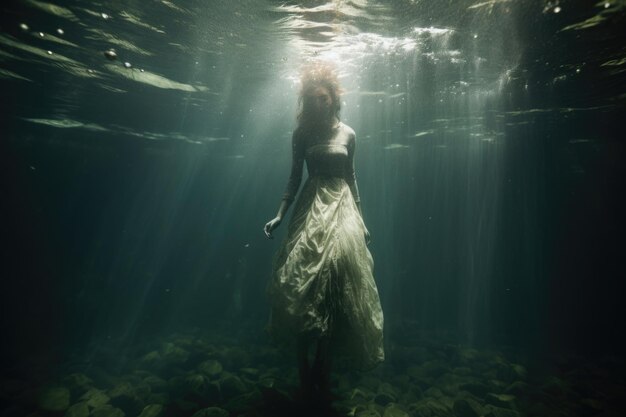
(322, 282)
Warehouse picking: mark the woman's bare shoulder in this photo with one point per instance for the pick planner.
(348, 130)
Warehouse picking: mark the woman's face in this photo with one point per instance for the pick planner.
(321, 98)
(321, 101)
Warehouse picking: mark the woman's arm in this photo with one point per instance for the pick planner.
(351, 180)
(351, 173)
(295, 178)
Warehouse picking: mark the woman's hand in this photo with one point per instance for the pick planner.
(270, 226)
(367, 236)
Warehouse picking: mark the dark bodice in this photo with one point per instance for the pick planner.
(329, 153)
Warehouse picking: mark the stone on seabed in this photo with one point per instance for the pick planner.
(54, 399)
(78, 410)
(107, 411)
(210, 367)
(211, 412)
(395, 411)
(95, 397)
(152, 410)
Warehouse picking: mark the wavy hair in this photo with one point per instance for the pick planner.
(319, 74)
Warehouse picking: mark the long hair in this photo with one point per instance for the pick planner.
(319, 74)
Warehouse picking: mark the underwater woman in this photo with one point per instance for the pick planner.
(322, 290)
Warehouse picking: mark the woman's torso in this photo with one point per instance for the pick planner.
(327, 152)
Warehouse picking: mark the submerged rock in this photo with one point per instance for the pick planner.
(508, 373)
(124, 396)
(361, 394)
(107, 411)
(78, 410)
(267, 382)
(386, 394)
(462, 408)
(251, 373)
(232, 385)
(500, 400)
(369, 382)
(395, 411)
(462, 371)
(211, 367)
(156, 384)
(433, 392)
(150, 358)
(95, 398)
(476, 388)
(517, 388)
(468, 355)
(200, 388)
(54, 399)
(434, 368)
(367, 413)
(428, 408)
(211, 412)
(152, 410)
(174, 354)
(78, 383)
(244, 402)
(493, 411)
(185, 405)
(159, 398)
(414, 371)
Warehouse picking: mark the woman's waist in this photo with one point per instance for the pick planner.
(326, 173)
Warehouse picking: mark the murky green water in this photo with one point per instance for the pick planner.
(145, 145)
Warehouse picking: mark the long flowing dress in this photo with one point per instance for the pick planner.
(322, 282)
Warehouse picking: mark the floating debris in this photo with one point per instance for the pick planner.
(8, 74)
(105, 16)
(127, 65)
(49, 52)
(67, 124)
(111, 55)
(423, 133)
(99, 35)
(52, 9)
(155, 80)
(60, 31)
(23, 26)
(135, 20)
(396, 146)
(41, 34)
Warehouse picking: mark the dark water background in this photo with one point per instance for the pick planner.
(490, 161)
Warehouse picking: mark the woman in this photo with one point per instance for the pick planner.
(322, 289)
